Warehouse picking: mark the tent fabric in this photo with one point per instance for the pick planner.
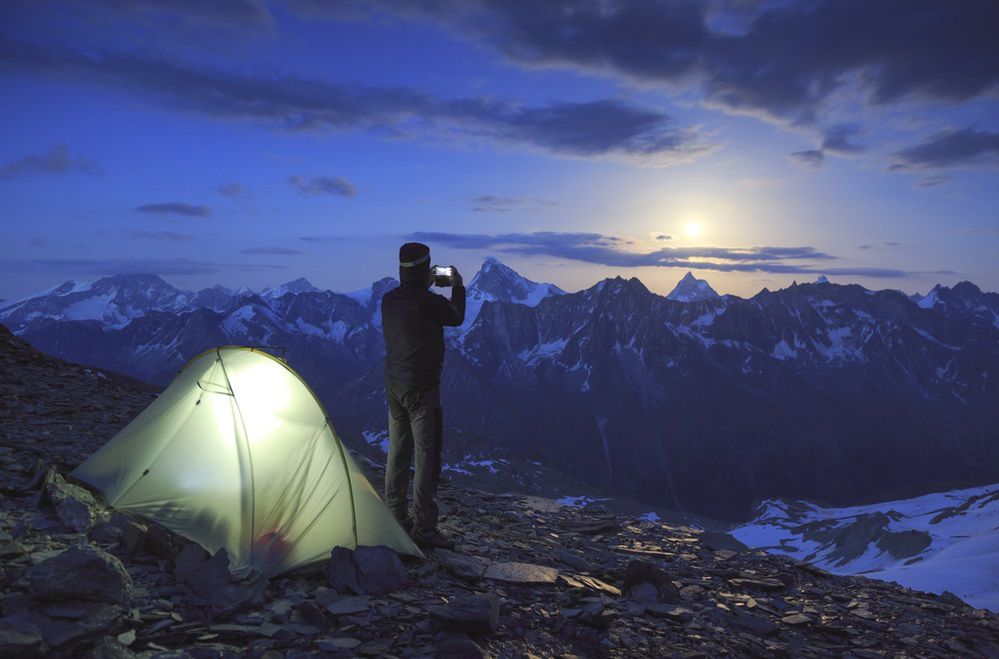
(238, 453)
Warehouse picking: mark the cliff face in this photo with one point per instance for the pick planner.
(527, 576)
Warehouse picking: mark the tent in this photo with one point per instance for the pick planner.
(239, 453)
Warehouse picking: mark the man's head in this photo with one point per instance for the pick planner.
(414, 264)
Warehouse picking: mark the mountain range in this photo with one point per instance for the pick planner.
(692, 401)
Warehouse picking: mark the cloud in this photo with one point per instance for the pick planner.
(170, 236)
(230, 190)
(933, 181)
(812, 158)
(953, 148)
(837, 139)
(662, 236)
(127, 266)
(175, 208)
(318, 185)
(56, 160)
(777, 59)
(279, 251)
(499, 204)
(590, 129)
(605, 250)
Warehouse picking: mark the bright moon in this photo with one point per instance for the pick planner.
(693, 229)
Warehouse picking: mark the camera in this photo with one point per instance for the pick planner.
(442, 275)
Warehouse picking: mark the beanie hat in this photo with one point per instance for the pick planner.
(414, 255)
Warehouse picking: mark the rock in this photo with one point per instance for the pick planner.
(716, 540)
(20, 638)
(758, 583)
(74, 506)
(796, 619)
(754, 624)
(341, 571)
(109, 648)
(475, 614)
(161, 542)
(340, 643)
(674, 613)
(640, 572)
(523, 573)
(81, 572)
(645, 593)
(188, 561)
(348, 605)
(203, 578)
(454, 645)
(470, 568)
(81, 621)
(379, 570)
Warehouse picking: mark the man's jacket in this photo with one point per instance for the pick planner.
(413, 320)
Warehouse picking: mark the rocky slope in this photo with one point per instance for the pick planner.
(528, 578)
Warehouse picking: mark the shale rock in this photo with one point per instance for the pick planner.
(81, 572)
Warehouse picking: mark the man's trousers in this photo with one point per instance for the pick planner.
(415, 425)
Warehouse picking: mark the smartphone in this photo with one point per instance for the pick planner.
(442, 275)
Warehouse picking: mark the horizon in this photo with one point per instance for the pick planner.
(348, 291)
(244, 143)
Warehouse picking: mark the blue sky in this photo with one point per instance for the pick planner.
(252, 142)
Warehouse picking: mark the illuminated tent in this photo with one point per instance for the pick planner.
(238, 453)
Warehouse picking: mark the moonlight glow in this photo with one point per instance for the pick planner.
(693, 229)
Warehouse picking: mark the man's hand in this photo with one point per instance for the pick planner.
(456, 279)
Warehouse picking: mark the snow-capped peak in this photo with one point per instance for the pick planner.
(499, 283)
(821, 279)
(296, 286)
(692, 289)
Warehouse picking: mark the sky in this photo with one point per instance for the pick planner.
(251, 142)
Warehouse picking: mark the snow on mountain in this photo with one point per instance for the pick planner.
(692, 289)
(495, 282)
(113, 301)
(937, 542)
(300, 285)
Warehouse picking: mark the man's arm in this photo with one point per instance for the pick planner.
(451, 312)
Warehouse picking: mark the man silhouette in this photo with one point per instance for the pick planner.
(413, 321)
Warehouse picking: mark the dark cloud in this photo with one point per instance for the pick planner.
(319, 185)
(778, 59)
(127, 266)
(864, 246)
(170, 236)
(175, 208)
(606, 250)
(231, 190)
(837, 139)
(662, 236)
(56, 160)
(812, 158)
(953, 148)
(932, 181)
(279, 251)
(587, 129)
(499, 204)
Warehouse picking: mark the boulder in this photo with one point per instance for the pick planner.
(82, 572)
(717, 540)
(341, 571)
(475, 614)
(379, 570)
(20, 638)
(522, 573)
(640, 572)
(470, 568)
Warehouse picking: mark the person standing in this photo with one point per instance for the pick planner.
(413, 321)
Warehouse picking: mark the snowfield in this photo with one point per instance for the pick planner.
(937, 542)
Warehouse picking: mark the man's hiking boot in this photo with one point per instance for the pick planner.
(432, 539)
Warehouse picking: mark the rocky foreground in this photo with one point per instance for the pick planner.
(528, 577)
